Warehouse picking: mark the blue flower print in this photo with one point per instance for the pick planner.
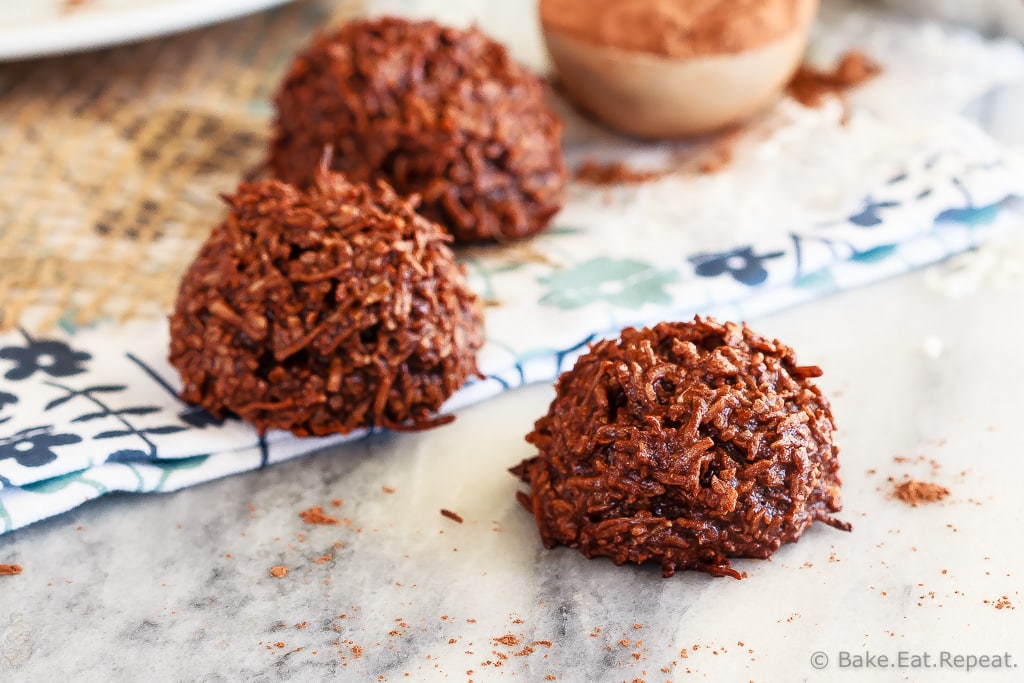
(869, 218)
(743, 265)
(55, 358)
(6, 399)
(34, 447)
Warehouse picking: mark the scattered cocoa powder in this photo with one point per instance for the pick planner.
(1004, 603)
(315, 515)
(810, 86)
(279, 571)
(615, 173)
(676, 28)
(455, 517)
(507, 639)
(916, 492)
(10, 569)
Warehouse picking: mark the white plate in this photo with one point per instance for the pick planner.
(33, 28)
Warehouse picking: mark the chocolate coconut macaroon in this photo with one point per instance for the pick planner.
(439, 112)
(685, 444)
(325, 311)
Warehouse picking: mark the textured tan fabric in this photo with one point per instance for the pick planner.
(111, 162)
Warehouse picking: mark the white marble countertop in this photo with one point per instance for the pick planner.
(177, 587)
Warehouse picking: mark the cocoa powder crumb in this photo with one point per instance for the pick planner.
(615, 173)
(1003, 603)
(387, 489)
(323, 558)
(507, 639)
(10, 569)
(455, 517)
(811, 86)
(337, 502)
(279, 571)
(315, 515)
(914, 493)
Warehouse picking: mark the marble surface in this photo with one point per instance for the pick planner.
(177, 587)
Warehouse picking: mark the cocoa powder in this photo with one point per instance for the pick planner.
(811, 86)
(914, 493)
(676, 28)
(616, 173)
(316, 515)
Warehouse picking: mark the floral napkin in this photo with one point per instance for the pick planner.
(808, 205)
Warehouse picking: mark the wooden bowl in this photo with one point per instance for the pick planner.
(653, 96)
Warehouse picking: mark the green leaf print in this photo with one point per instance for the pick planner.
(620, 282)
(821, 279)
(169, 466)
(55, 484)
(874, 255)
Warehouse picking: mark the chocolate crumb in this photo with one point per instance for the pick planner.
(315, 515)
(279, 571)
(452, 516)
(507, 639)
(10, 569)
(916, 492)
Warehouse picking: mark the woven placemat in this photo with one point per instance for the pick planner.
(112, 162)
